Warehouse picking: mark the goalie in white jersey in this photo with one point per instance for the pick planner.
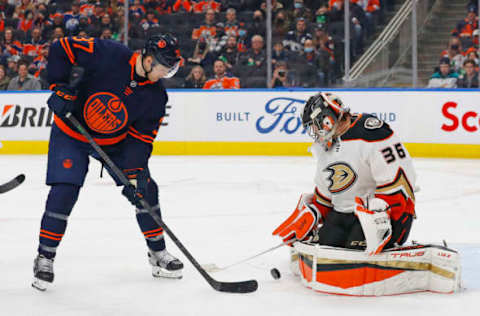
(363, 196)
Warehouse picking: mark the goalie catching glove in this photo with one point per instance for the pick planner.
(375, 221)
(303, 220)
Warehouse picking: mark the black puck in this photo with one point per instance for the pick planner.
(275, 273)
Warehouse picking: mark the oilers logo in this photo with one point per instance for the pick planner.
(105, 113)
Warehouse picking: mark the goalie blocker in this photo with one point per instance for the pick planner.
(416, 268)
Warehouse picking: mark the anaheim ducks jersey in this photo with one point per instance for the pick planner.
(368, 160)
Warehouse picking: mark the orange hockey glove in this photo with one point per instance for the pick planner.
(303, 220)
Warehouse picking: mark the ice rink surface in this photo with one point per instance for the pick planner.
(223, 209)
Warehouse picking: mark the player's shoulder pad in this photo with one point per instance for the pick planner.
(368, 128)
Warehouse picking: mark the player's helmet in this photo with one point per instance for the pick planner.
(321, 115)
(164, 49)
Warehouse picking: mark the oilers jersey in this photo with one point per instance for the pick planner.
(113, 102)
(368, 160)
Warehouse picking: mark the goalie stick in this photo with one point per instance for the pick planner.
(212, 267)
(12, 184)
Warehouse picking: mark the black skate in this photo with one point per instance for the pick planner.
(165, 265)
(42, 272)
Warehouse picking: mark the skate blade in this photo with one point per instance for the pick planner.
(159, 272)
(40, 284)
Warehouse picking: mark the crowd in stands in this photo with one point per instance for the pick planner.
(459, 63)
(222, 42)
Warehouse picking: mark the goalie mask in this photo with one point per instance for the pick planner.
(321, 116)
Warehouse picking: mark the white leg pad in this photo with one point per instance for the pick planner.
(403, 270)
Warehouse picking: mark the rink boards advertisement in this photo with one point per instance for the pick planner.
(432, 123)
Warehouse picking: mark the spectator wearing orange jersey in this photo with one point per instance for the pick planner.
(33, 45)
(9, 45)
(221, 79)
(201, 6)
(137, 9)
(466, 27)
(25, 23)
(208, 28)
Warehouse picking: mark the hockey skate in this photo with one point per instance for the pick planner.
(164, 265)
(42, 272)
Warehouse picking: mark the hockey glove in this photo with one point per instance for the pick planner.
(375, 221)
(303, 220)
(137, 188)
(62, 100)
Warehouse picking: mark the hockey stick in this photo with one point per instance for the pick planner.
(12, 184)
(212, 267)
(230, 287)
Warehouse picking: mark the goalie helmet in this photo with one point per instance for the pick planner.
(321, 116)
(164, 49)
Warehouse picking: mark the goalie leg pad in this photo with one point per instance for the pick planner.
(403, 270)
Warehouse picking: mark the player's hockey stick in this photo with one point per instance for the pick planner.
(212, 267)
(230, 287)
(12, 184)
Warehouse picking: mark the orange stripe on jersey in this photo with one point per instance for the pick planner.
(66, 48)
(139, 137)
(100, 141)
(154, 235)
(140, 134)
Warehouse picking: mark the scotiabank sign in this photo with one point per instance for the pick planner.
(460, 117)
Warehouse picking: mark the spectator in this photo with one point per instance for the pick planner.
(33, 45)
(57, 34)
(4, 80)
(325, 47)
(25, 23)
(85, 26)
(25, 5)
(296, 38)
(231, 24)
(282, 78)
(150, 21)
(202, 55)
(257, 27)
(221, 80)
(306, 64)
(454, 53)
(208, 29)
(275, 7)
(196, 78)
(466, 27)
(253, 64)
(470, 78)
(280, 27)
(57, 23)
(279, 53)
(230, 54)
(24, 81)
(9, 45)
(137, 9)
(473, 55)
(106, 34)
(106, 23)
(445, 77)
(12, 66)
(300, 11)
(321, 16)
(7, 8)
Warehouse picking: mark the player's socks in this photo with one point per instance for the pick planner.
(165, 265)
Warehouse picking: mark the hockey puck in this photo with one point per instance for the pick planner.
(275, 273)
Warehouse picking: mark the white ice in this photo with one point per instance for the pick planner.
(223, 209)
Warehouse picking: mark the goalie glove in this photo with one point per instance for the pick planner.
(303, 220)
(375, 221)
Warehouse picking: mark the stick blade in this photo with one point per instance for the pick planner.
(236, 287)
(12, 184)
